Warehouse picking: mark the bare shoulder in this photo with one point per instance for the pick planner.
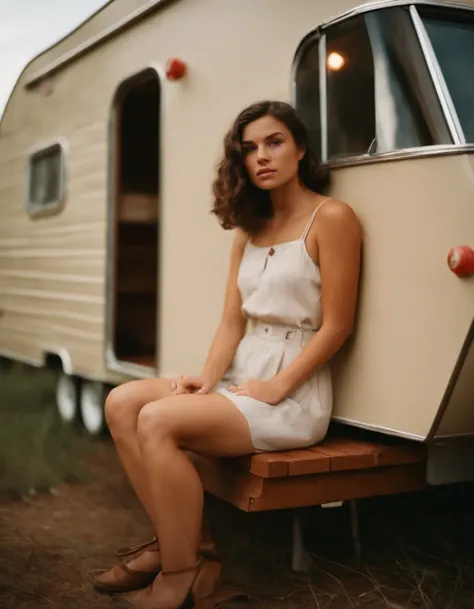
(239, 242)
(338, 217)
(240, 237)
(337, 211)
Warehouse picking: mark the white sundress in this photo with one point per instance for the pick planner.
(281, 296)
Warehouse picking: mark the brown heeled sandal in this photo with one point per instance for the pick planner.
(207, 591)
(206, 577)
(120, 578)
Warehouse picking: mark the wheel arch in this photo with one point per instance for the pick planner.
(58, 360)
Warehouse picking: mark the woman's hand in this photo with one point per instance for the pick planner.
(191, 384)
(177, 386)
(269, 392)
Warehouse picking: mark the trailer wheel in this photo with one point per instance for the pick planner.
(67, 397)
(92, 407)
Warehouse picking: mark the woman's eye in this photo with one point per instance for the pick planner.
(276, 142)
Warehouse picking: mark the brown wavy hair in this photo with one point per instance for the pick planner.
(237, 201)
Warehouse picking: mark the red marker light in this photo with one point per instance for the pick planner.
(175, 69)
(461, 260)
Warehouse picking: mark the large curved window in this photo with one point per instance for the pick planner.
(377, 94)
(452, 37)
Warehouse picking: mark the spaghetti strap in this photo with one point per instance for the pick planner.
(311, 220)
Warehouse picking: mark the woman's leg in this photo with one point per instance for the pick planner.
(205, 424)
(122, 408)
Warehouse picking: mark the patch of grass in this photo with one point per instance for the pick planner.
(37, 449)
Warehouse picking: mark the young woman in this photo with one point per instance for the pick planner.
(289, 306)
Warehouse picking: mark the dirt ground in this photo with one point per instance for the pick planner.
(418, 549)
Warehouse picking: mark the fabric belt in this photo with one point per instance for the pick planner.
(291, 334)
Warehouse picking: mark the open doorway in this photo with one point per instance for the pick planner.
(134, 297)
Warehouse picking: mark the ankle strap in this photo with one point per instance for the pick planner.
(129, 550)
(183, 570)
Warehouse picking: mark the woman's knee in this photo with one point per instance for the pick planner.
(120, 407)
(156, 423)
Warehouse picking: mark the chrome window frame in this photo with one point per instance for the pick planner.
(323, 96)
(38, 210)
(318, 36)
(446, 101)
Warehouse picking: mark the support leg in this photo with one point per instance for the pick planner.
(300, 559)
(355, 531)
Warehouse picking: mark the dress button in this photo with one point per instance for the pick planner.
(271, 251)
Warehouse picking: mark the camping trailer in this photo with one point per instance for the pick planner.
(111, 265)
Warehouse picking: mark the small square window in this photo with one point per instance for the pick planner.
(46, 179)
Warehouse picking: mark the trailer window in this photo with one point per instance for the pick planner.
(452, 38)
(377, 94)
(350, 90)
(308, 98)
(45, 178)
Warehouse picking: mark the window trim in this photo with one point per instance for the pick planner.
(323, 95)
(318, 36)
(53, 207)
(401, 154)
(446, 101)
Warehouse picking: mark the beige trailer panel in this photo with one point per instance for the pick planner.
(51, 269)
(414, 314)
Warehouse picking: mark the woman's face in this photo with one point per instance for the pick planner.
(271, 156)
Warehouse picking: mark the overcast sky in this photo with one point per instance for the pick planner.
(27, 27)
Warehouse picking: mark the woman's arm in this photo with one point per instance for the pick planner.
(230, 330)
(338, 237)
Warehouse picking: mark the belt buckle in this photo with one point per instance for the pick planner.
(290, 334)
